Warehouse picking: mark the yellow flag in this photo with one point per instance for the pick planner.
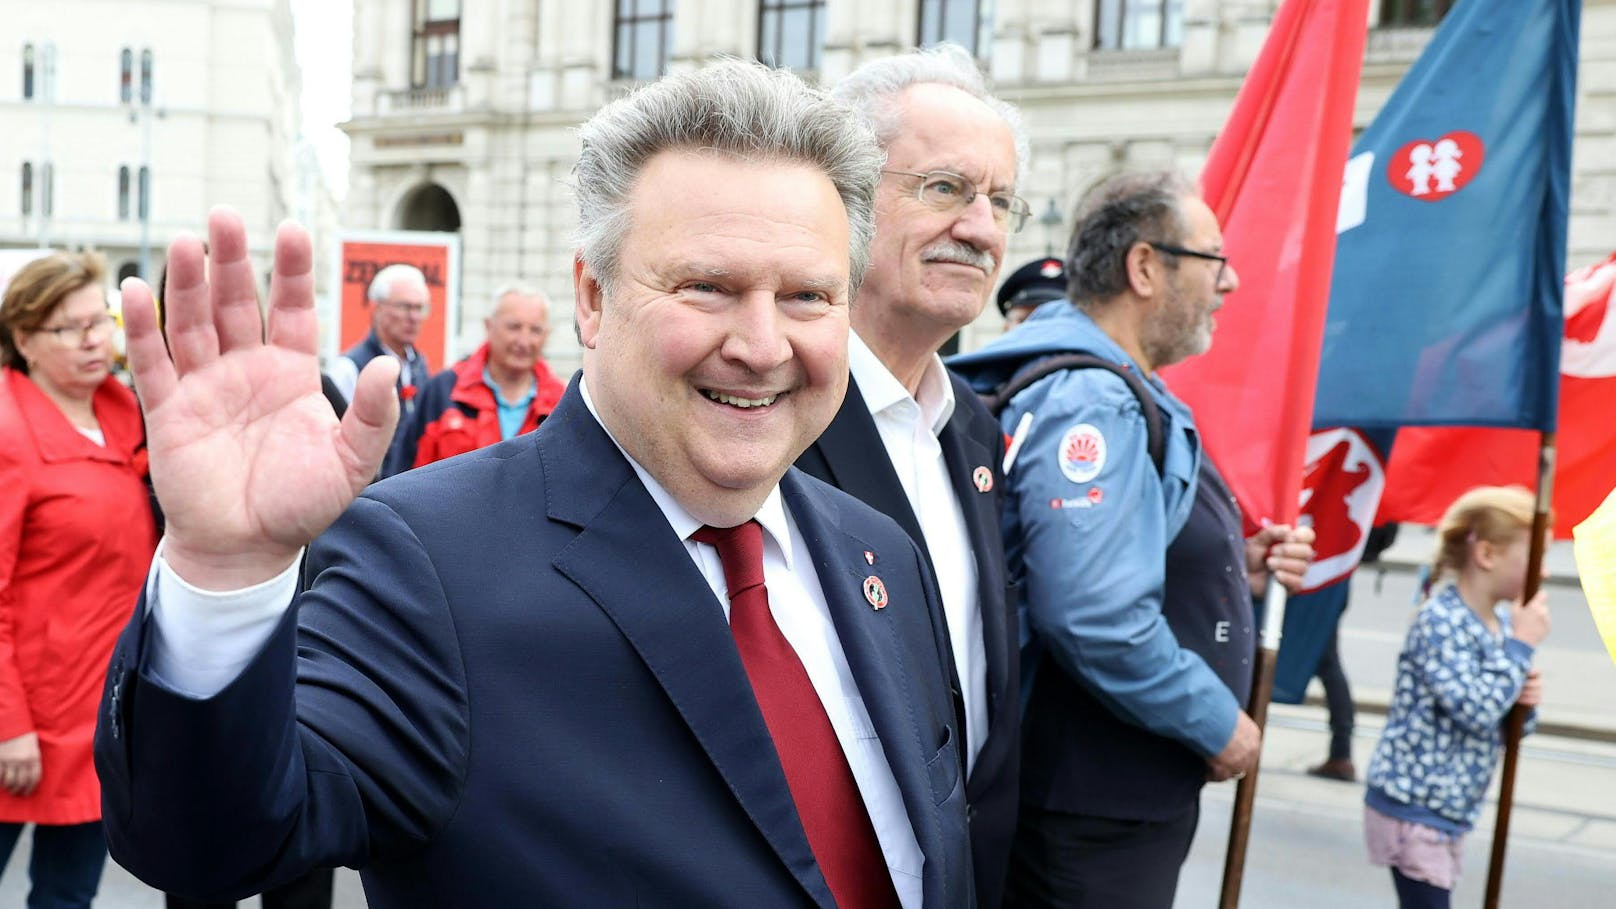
(1595, 549)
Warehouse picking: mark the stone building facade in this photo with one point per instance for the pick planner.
(126, 121)
(464, 111)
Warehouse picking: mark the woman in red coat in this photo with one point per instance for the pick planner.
(76, 539)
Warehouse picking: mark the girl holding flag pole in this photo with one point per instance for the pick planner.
(1467, 660)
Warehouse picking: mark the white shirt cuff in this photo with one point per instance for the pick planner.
(201, 640)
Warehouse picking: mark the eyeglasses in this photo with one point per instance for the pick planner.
(421, 310)
(946, 191)
(75, 335)
(1223, 261)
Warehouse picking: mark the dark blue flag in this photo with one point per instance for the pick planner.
(1445, 305)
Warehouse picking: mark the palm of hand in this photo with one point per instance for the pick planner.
(245, 451)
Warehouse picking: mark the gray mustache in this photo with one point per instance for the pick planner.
(962, 253)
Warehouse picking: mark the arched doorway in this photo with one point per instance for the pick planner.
(427, 207)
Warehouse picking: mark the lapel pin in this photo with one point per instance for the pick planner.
(869, 557)
(983, 478)
(875, 592)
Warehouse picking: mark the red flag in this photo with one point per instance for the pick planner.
(1274, 179)
(1432, 467)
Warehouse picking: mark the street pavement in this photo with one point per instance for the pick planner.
(1306, 847)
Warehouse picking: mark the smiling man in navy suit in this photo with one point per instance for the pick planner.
(628, 659)
(912, 440)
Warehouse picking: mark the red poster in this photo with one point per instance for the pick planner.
(361, 255)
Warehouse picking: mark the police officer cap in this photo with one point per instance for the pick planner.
(1033, 284)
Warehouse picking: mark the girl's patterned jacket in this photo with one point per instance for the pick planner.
(1456, 681)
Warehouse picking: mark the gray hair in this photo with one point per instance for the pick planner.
(1113, 215)
(381, 286)
(873, 91)
(521, 290)
(733, 107)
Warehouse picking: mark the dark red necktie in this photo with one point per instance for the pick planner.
(833, 815)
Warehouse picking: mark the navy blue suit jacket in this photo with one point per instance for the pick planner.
(851, 456)
(507, 685)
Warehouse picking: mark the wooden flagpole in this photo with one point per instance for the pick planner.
(1245, 793)
(1515, 723)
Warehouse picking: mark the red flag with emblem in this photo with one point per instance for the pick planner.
(1273, 177)
(1431, 467)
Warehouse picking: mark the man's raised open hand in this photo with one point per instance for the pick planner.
(248, 459)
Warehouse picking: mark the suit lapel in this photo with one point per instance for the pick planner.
(964, 452)
(667, 613)
(860, 466)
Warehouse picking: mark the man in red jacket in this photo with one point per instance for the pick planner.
(502, 390)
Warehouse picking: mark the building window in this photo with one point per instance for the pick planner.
(146, 76)
(959, 21)
(1138, 24)
(791, 33)
(27, 195)
(123, 193)
(435, 49)
(643, 39)
(144, 210)
(1413, 12)
(28, 72)
(126, 76)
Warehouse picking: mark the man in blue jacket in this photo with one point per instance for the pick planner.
(630, 658)
(1136, 584)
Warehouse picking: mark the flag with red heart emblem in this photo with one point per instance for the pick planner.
(1433, 169)
(1445, 304)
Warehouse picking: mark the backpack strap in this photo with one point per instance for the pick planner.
(1033, 371)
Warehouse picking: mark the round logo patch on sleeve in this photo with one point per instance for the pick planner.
(1082, 453)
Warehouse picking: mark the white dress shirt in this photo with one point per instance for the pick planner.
(909, 428)
(200, 642)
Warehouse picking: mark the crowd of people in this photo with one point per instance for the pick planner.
(768, 605)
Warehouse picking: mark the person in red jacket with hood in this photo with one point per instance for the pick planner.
(500, 391)
(76, 537)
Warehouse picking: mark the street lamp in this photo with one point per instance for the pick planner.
(1051, 219)
(47, 170)
(141, 110)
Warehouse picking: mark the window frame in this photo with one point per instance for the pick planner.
(627, 25)
(816, 27)
(146, 61)
(424, 75)
(974, 47)
(126, 77)
(1165, 10)
(1406, 14)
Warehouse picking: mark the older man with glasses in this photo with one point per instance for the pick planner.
(910, 439)
(399, 304)
(1137, 584)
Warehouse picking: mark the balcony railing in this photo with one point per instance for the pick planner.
(420, 100)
